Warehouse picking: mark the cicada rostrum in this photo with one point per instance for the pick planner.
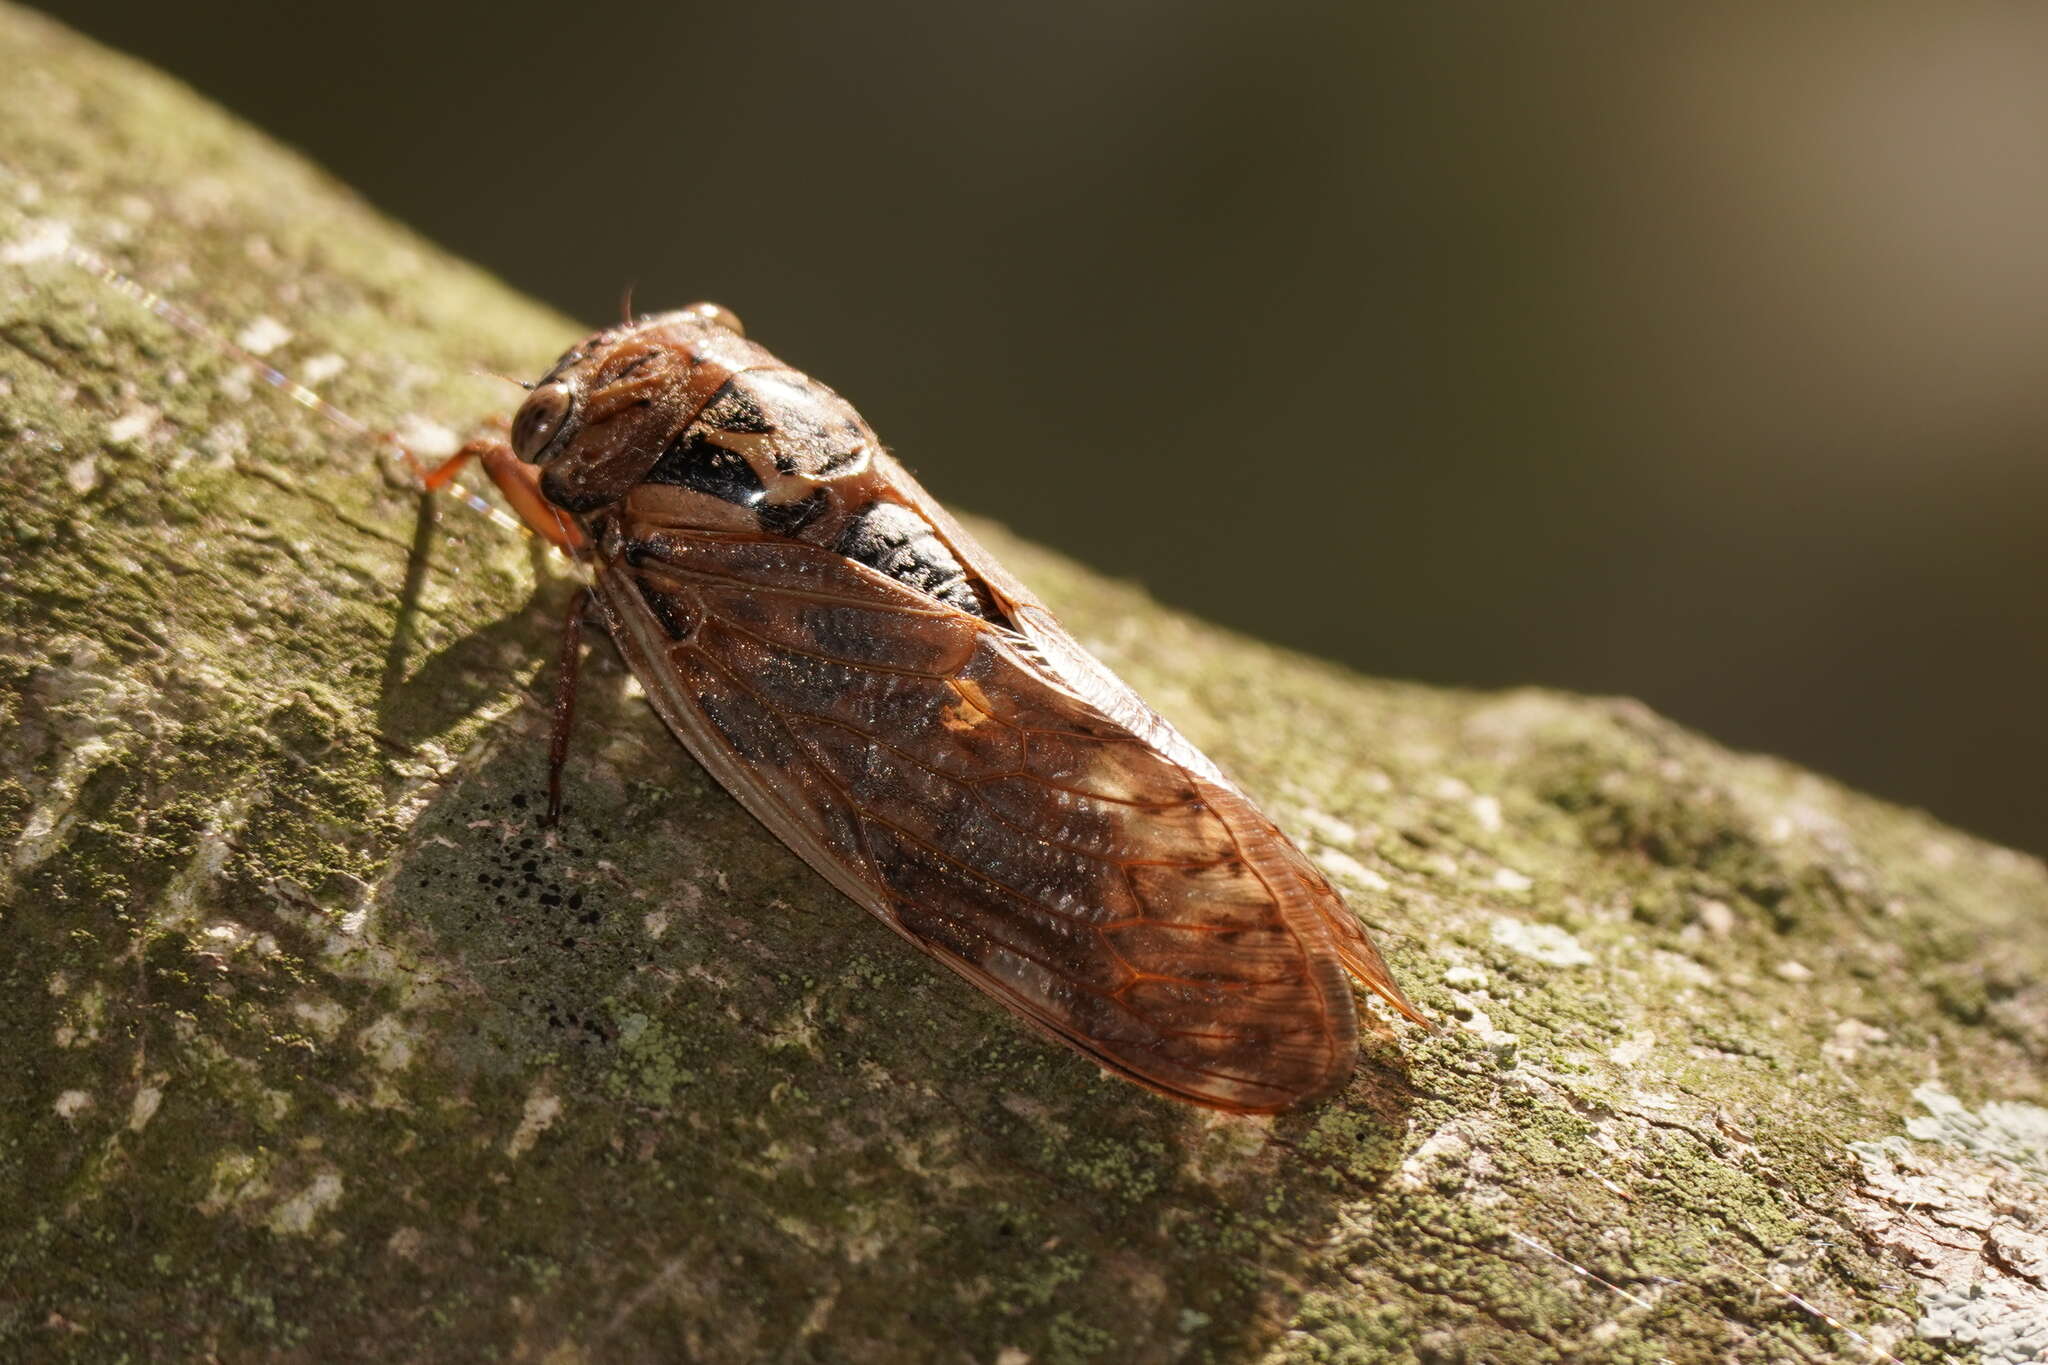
(848, 662)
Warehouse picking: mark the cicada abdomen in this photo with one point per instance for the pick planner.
(863, 676)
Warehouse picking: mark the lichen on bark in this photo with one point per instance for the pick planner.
(322, 1048)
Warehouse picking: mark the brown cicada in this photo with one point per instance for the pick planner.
(871, 684)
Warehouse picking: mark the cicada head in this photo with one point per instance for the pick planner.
(601, 418)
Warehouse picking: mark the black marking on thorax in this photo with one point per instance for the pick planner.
(734, 408)
(890, 538)
(693, 460)
(788, 518)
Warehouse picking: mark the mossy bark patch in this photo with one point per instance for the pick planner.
(322, 1048)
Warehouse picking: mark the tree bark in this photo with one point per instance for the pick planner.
(321, 1048)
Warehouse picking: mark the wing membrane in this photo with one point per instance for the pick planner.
(951, 778)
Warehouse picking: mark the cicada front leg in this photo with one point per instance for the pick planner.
(519, 482)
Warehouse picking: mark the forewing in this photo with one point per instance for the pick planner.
(1085, 676)
(936, 770)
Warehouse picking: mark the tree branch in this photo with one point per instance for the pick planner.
(321, 1048)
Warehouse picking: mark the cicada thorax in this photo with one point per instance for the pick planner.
(772, 450)
(679, 423)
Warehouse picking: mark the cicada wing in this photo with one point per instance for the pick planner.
(933, 767)
(1085, 675)
(1352, 944)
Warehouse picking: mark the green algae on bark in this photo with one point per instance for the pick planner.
(325, 1050)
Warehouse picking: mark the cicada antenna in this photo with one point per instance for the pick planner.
(626, 303)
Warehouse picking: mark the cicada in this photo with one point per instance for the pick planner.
(864, 677)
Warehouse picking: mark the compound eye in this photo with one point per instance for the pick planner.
(723, 316)
(541, 422)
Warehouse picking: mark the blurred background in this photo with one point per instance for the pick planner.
(1698, 353)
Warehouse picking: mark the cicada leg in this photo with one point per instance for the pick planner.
(519, 482)
(566, 669)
